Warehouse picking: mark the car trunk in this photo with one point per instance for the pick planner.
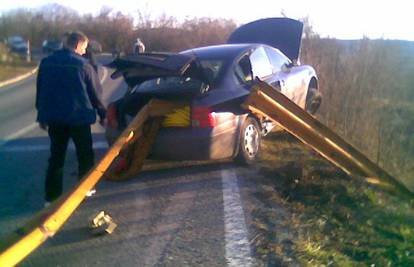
(174, 77)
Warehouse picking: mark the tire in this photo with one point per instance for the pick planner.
(313, 100)
(249, 142)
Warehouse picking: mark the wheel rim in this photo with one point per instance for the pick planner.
(251, 140)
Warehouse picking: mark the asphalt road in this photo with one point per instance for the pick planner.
(172, 214)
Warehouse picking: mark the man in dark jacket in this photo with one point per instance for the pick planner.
(67, 103)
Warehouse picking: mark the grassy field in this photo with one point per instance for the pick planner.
(332, 219)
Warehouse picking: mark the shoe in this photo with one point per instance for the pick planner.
(90, 192)
(47, 204)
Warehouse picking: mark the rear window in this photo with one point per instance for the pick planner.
(165, 83)
(210, 68)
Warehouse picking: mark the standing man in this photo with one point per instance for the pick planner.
(139, 47)
(66, 103)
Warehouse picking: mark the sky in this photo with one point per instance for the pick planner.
(346, 19)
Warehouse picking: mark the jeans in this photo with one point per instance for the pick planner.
(59, 138)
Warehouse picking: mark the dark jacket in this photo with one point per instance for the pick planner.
(66, 90)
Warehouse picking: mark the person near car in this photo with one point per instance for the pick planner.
(67, 103)
(139, 47)
(65, 39)
(90, 55)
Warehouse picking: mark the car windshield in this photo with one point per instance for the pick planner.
(211, 71)
(16, 40)
(53, 43)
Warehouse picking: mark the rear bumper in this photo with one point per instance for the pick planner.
(194, 144)
(190, 143)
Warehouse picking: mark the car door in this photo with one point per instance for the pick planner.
(260, 64)
(270, 70)
(290, 78)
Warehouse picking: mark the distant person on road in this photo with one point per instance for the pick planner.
(139, 47)
(67, 104)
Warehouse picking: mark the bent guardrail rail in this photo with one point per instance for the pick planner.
(265, 101)
(48, 221)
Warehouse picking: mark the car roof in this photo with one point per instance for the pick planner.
(224, 51)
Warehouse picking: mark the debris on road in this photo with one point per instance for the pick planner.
(102, 223)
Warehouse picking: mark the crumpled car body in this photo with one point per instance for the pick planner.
(213, 81)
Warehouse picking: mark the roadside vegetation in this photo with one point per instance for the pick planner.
(114, 30)
(332, 219)
(12, 65)
(369, 98)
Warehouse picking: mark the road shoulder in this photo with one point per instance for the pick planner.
(18, 78)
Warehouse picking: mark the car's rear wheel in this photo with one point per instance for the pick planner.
(249, 144)
(313, 100)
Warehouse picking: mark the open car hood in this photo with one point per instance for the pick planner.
(139, 68)
(284, 34)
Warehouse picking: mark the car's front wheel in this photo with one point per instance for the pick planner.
(313, 100)
(249, 144)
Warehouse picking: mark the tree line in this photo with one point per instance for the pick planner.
(114, 30)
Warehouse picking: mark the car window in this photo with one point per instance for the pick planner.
(211, 69)
(169, 83)
(261, 66)
(243, 70)
(277, 59)
(15, 40)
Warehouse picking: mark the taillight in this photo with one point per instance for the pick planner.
(202, 117)
(111, 116)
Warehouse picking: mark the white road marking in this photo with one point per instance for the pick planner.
(238, 251)
(17, 134)
(45, 147)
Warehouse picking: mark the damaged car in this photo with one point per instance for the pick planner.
(214, 81)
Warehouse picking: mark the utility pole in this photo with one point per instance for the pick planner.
(28, 54)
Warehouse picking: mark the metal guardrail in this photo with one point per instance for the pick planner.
(48, 221)
(265, 101)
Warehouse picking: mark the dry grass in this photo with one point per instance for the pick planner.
(368, 97)
(334, 220)
(12, 65)
(9, 72)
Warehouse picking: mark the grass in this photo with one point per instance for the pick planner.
(12, 65)
(9, 72)
(335, 220)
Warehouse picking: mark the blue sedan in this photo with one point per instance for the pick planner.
(214, 81)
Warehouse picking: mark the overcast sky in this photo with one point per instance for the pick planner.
(350, 19)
